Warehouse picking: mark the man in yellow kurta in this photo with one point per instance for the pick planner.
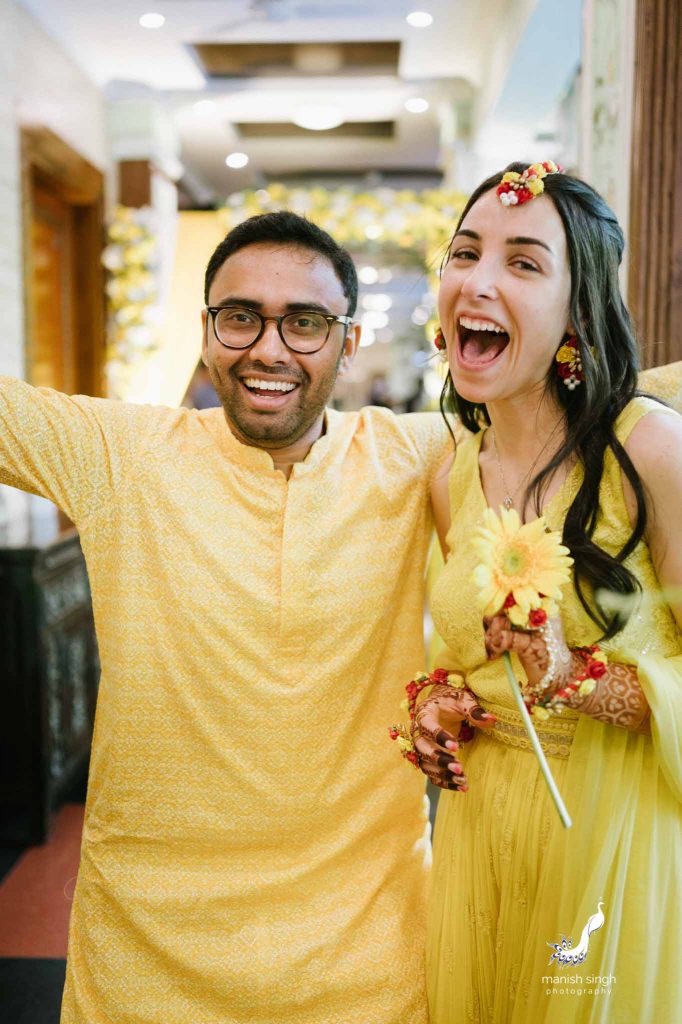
(253, 848)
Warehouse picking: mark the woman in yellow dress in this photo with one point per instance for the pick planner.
(530, 921)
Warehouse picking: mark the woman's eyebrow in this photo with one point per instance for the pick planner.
(516, 240)
(523, 240)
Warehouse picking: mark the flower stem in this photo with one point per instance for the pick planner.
(533, 737)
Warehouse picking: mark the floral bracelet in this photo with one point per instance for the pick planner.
(403, 735)
(542, 706)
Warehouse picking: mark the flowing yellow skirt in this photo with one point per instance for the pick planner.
(509, 879)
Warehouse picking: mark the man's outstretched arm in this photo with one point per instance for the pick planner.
(68, 449)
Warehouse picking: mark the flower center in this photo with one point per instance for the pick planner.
(513, 562)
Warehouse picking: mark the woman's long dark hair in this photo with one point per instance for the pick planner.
(610, 360)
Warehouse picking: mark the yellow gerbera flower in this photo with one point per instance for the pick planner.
(522, 560)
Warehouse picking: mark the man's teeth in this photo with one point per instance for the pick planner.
(269, 385)
(480, 325)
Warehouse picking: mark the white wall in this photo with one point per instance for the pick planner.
(39, 84)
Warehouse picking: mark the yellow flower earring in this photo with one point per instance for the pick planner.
(570, 368)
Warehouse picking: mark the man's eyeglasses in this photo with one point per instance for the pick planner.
(304, 331)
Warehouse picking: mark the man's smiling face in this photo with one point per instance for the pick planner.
(276, 279)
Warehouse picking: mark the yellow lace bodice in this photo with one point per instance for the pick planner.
(456, 610)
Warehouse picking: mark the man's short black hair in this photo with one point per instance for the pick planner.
(286, 228)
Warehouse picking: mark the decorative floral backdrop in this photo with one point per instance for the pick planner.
(417, 222)
(131, 258)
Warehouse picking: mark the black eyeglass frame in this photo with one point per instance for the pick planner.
(329, 317)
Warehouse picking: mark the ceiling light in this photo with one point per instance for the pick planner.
(237, 160)
(368, 275)
(374, 231)
(416, 105)
(152, 20)
(419, 19)
(384, 275)
(318, 118)
(420, 316)
(367, 337)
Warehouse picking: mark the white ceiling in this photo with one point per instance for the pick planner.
(460, 63)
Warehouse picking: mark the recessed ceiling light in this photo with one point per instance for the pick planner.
(318, 118)
(419, 19)
(416, 105)
(152, 20)
(236, 160)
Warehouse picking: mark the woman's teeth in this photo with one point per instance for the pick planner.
(268, 385)
(480, 325)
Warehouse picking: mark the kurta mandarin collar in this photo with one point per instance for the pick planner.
(257, 459)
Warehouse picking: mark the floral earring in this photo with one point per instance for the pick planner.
(570, 368)
(439, 340)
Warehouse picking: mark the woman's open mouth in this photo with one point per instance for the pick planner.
(479, 342)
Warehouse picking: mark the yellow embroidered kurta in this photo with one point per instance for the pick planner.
(507, 877)
(253, 847)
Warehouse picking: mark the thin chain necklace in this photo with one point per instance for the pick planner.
(508, 500)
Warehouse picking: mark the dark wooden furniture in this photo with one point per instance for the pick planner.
(49, 672)
(655, 242)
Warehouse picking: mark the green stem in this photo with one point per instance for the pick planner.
(533, 737)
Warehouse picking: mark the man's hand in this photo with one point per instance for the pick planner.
(434, 734)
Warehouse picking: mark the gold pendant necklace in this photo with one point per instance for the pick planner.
(508, 500)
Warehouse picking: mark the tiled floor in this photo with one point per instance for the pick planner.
(35, 902)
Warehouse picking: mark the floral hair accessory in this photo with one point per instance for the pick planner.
(515, 188)
(439, 340)
(570, 368)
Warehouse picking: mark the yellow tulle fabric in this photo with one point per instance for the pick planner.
(508, 878)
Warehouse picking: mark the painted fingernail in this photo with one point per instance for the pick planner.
(464, 789)
(452, 745)
(456, 768)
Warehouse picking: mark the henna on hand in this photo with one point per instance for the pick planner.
(532, 650)
(617, 699)
(434, 733)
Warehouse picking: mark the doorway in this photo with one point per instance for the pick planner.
(64, 279)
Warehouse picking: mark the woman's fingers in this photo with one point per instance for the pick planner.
(440, 765)
(475, 713)
(428, 724)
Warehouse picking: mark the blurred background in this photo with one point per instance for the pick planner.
(134, 135)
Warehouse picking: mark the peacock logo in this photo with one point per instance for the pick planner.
(564, 954)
